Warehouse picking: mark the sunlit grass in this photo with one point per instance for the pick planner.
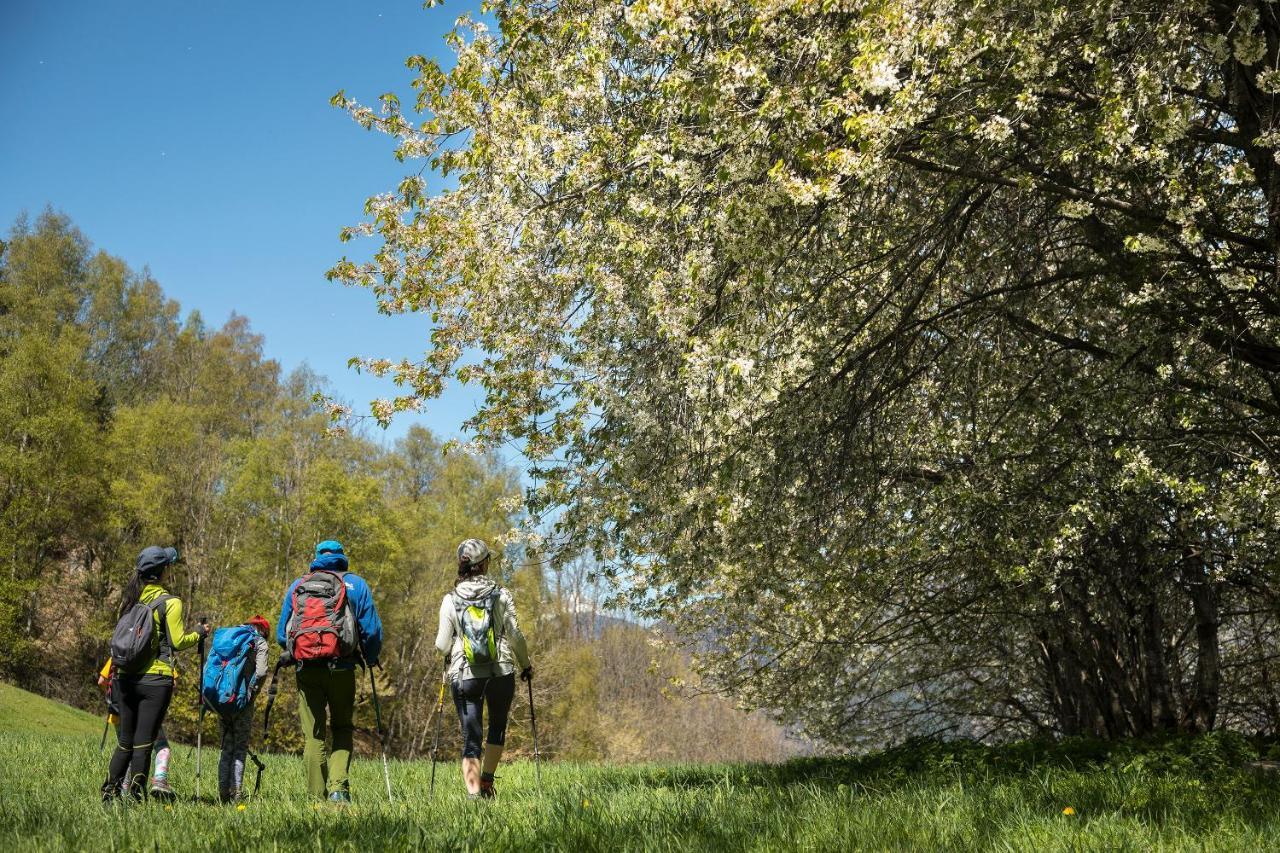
(1179, 795)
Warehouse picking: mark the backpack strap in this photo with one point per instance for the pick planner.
(165, 641)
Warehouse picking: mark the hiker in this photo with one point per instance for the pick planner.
(160, 787)
(481, 641)
(328, 624)
(244, 646)
(147, 637)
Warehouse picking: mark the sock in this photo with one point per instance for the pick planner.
(162, 763)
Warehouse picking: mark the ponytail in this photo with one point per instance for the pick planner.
(132, 593)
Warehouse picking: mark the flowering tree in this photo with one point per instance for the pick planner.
(922, 354)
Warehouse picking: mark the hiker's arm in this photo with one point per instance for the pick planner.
(178, 636)
(511, 628)
(444, 633)
(370, 624)
(286, 613)
(260, 662)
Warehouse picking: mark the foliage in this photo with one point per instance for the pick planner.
(122, 425)
(917, 359)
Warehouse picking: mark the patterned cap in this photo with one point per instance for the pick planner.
(473, 552)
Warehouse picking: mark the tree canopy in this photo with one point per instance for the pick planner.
(918, 359)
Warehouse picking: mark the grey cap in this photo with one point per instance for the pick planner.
(154, 558)
(473, 552)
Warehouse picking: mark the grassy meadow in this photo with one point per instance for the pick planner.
(1180, 794)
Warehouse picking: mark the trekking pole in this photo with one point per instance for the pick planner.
(106, 724)
(200, 720)
(382, 738)
(257, 782)
(435, 746)
(266, 717)
(533, 724)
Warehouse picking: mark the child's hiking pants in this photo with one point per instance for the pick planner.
(236, 729)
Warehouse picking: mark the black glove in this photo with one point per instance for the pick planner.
(448, 659)
(526, 674)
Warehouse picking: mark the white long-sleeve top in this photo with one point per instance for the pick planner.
(512, 647)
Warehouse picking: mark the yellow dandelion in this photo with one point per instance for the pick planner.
(168, 808)
(240, 807)
(1068, 811)
(586, 804)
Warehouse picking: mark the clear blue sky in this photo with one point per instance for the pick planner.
(196, 138)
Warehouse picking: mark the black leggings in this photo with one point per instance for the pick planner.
(143, 701)
(469, 697)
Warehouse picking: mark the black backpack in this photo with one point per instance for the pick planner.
(134, 644)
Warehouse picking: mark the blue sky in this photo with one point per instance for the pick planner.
(197, 139)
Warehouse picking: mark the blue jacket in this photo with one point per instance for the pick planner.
(358, 598)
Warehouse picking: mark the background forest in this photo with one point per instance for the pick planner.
(123, 424)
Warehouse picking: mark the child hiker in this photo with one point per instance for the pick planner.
(160, 787)
(238, 725)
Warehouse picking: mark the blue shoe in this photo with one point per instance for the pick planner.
(340, 798)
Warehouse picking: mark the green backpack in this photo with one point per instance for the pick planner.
(475, 621)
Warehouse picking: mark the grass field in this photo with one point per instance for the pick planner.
(1181, 794)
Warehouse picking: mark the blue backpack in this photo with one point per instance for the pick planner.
(226, 684)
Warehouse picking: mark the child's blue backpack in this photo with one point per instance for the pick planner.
(227, 681)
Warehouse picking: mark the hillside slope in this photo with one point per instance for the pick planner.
(21, 711)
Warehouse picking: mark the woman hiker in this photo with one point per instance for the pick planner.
(160, 787)
(143, 693)
(482, 642)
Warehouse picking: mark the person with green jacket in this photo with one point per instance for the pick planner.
(143, 695)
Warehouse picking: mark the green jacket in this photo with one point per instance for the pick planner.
(171, 612)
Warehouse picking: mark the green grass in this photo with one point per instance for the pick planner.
(1177, 794)
(27, 712)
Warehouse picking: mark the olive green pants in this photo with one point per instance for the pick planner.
(326, 698)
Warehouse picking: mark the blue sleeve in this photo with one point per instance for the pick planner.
(286, 613)
(367, 619)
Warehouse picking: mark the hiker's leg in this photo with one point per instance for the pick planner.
(468, 698)
(498, 697)
(342, 707)
(119, 766)
(160, 770)
(312, 714)
(241, 726)
(155, 693)
(227, 743)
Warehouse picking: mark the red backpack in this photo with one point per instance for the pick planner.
(322, 627)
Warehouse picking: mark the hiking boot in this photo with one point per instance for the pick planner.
(161, 790)
(487, 791)
(340, 798)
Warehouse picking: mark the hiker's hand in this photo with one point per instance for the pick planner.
(202, 628)
(526, 674)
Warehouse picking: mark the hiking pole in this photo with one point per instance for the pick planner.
(435, 746)
(200, 720)
(106, 724)
(257, 783)
(533, 724)
(266, 717)
(382, 738)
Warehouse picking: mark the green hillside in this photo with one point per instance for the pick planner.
(21, 711)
